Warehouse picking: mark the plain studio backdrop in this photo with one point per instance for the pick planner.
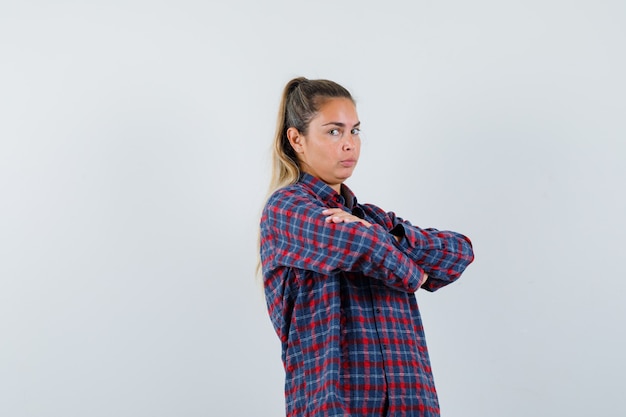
(134, 160)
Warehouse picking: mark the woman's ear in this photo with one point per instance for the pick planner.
(295, 139)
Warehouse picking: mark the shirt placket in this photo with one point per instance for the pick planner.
(383, 344)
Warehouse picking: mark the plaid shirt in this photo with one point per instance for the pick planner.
(341, 299)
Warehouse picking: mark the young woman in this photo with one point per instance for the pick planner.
(340, 276)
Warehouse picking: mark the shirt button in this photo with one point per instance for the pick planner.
(378, 310)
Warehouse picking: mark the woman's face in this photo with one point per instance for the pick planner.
(330, 149)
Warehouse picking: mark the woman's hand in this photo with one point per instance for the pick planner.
(337, 215)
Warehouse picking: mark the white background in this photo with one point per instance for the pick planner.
(134, 158)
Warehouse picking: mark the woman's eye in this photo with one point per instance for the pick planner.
(334, 132)
(356, 131)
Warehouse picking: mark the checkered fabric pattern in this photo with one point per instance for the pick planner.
(341, 298)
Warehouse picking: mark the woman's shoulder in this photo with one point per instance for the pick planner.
(377, 214)
(289, 194)
(372, 208)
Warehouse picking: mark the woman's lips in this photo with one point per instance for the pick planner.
(348, 163)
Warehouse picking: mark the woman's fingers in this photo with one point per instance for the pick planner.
(334, 215)
(330, 211)
(423, 280)
(337, 215)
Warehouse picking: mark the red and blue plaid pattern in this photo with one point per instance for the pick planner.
(341, 298)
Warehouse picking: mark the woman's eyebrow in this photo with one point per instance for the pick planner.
(340, 124)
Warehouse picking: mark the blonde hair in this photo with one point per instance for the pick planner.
(300, 102)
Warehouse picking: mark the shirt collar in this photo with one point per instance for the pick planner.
(326, 193)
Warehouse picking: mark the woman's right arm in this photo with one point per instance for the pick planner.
(295, 233)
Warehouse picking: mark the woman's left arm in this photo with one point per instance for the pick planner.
(442, 254)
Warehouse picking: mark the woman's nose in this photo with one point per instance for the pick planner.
(349, 143)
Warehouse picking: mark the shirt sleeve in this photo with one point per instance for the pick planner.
(442, 254)
(294, 234)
